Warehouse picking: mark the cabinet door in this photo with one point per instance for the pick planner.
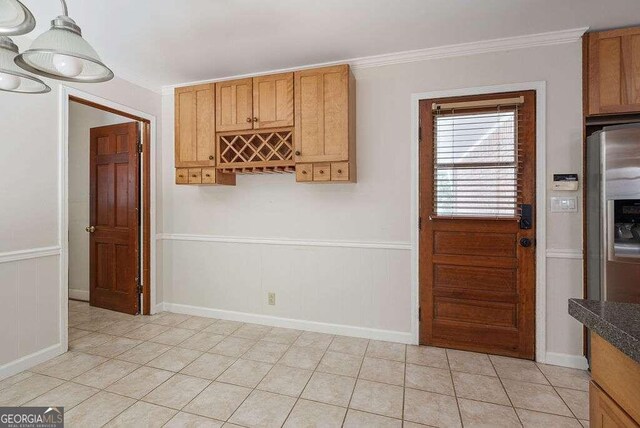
(273, 101)
(604, 412)
(322, 114)
(614, 71)
(195, 126)
(234, 105)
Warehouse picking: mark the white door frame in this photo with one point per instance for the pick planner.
(63, 215)
(541, 196)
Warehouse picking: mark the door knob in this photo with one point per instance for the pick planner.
(525, 242)
(90, 229)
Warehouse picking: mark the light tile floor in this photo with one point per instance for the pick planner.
(175, 370)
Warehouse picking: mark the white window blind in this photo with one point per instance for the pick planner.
(476, 162)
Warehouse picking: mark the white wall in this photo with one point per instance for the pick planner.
(29, 209)
(81, 119)
(226, 267)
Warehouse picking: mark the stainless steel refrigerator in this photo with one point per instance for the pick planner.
(613, 214)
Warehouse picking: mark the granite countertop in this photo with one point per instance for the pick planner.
(617, 323)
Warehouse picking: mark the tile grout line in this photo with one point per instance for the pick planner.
(505, 391)
(364, 355)
(455, 393)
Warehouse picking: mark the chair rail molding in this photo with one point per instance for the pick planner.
(31, 253)
(380, 245)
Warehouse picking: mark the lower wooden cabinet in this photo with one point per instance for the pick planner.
(604, 412)
(325, 172)
(204, 176)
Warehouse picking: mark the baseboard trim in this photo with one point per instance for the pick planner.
(319, 327)
(76, 294)
(566, 360)
(31, 360)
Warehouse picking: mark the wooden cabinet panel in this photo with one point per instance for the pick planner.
(604, 412)
(322, 114)
(340, 171)
(273, 101)
(304, 172)
(322, 172)
(614, 71)
(194, 126)
(234, 105)
(208, 176)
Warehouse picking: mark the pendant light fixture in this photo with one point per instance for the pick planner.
(15, 18)
(61, 53)
(12, 77)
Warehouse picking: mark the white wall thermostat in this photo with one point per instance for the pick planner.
(565, 182)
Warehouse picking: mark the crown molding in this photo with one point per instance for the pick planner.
(462, 49)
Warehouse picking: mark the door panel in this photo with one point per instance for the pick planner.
(114, 187)
(273, 101)
(477, 283)
(234, 105)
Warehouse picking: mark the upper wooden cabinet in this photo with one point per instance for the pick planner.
(195, 126)
(273, 101)
(324, 125)
(234, 105)
(612, 66)
(255, 103)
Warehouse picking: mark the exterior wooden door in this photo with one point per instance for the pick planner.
(195, 139)
(114, 201)
(322, 114)
(273, 101)
(477, 216)
(234, 105)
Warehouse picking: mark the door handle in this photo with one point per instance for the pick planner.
(90, 229)
(526, 242)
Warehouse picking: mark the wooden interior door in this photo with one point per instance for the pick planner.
(322, 114)
(273, 101)
(114, 216)
(477, 269)
(234, 105)
(195, 139)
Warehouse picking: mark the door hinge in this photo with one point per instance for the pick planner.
(420, 223)
(420, 134)
(139, 146)
(138, 286)
(419, 313)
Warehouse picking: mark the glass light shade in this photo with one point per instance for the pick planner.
(61, 53)
(15, 18)
(10, 73)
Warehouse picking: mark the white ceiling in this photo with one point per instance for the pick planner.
(162, 42)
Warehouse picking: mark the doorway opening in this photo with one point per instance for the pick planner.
(109, 215)
(477, 236)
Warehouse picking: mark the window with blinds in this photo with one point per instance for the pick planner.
(476, 159)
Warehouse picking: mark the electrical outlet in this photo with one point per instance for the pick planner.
(272, 298)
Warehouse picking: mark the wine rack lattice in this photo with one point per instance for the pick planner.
(256, 152)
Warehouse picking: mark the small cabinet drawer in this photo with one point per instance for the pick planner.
(208, 176)
(182, 176)
(195, 176)
(304, 172)
(340, 171)
(321, 172)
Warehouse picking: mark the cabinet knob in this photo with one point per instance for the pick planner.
(255, 119)
(194, 175)
(210, 157)
(248, 119)
(304, 172)
(207, 175)
(298, 153)
(321, 171)
(339, 171)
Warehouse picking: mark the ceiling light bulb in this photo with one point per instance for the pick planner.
(68, 66)
(9, 82)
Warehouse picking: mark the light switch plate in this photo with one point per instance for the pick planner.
(564, 204)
